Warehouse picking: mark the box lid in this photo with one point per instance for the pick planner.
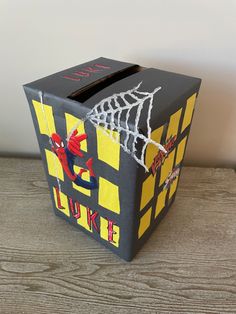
(95, 81)
(74, 80)
(164, 90)
(120, 96)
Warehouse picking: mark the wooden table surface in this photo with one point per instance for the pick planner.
(187, 266)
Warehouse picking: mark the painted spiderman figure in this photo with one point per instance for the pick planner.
(66, 156)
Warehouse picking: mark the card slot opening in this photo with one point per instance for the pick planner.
(85, 93)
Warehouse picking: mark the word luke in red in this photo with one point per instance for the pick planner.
(91, 216)
(86, 72)
(161, 156)
(66, 156)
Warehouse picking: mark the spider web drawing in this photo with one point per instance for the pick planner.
(107, 115)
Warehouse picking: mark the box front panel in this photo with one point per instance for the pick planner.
(159, 185)
(91, 188)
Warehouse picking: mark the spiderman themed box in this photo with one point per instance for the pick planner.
(112, 137)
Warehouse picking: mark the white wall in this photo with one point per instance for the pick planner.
(196, 37)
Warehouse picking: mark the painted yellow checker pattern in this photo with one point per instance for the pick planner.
(86, 177)
(108, 195)
(147, 190)
(188, 111)
(104, 231)
(144, 222)
(44, 114)
(173, 187)
(83, 220)
(161, 200)
(54, 165)
(174, 124)
(108, 150)
(167, 167)
(64, 203)
(179, 158)
(152, 150)
(71, 122)
(180, 150)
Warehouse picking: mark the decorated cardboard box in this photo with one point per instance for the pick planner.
(112, 136)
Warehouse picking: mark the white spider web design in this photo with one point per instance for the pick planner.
(107, 115)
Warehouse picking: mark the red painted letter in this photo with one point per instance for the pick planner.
(71, 78)
(75, 210)
(110, 230)
(102, 66)
(58, 199)
(91, 218)
(81, 73)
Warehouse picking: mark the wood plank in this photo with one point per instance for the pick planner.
(187, 266)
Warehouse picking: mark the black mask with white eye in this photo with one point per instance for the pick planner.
(57, 144)
(62, 144)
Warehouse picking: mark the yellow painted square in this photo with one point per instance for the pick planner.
(161, 201)
(83, 220)
(188, 111)
(147, 190)
(54, 165)
(71, 122)
(108, 150)
(104, 231)
(44, 114)
(144, 222)
(180, 150)
(86, 177)
(173, 187)
(64, 202)
(152, 150)
(108, 195)
(167, 167)
(174, 124)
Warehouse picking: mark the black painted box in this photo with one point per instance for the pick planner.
(112, 136)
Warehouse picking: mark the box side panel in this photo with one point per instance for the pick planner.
(105, 210)
(158, 188)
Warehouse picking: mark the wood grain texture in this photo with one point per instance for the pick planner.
(187, 266)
